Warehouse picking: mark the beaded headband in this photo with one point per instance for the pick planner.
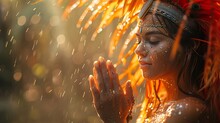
(168, 11)
(206, 14)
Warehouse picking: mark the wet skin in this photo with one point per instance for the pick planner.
(153, 50)
(111, 102)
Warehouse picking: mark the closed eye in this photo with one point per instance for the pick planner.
(154, 42)
(152, 39)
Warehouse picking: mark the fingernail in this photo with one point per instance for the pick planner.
(96, 63)
(129, 82)
(109, 62)
(101, 59)
(90, 77)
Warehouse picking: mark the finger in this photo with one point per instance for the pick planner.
(94, 90)
(105, 74)
(111, 73)
(129, 93)
(98, 76)
(114, 76)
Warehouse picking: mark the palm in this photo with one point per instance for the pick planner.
(110, 101)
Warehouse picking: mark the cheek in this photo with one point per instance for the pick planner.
(161, 59)
(160, 56)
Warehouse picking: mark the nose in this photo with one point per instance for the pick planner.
(141, 50)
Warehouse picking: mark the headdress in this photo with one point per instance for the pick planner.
(204, 12)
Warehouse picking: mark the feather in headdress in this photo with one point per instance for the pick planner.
(206, 13)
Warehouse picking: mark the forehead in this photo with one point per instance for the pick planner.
(154, 23)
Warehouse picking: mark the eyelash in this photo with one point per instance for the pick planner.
(151, 42)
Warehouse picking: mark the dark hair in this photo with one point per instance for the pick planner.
(192, 69)
(194, 52)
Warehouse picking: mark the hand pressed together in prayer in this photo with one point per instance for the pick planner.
(112, 103)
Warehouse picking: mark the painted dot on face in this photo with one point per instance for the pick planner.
(158, 55)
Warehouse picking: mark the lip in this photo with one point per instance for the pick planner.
(144, 64)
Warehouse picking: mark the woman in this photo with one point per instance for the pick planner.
(172, 53)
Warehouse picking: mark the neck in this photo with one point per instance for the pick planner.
(171, 87)
(166, 89)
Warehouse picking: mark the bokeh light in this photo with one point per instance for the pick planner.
(35, 19)
(54, 21)
(17, 76)
(32, 94)
(61, 39)
(45, 63)
(22, 20)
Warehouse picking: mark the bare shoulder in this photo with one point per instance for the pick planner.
(188, 110)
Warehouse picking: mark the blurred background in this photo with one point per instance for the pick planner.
(45, 62)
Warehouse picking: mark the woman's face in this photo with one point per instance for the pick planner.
(154, 48)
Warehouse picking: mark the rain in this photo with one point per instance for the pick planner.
(45, 62)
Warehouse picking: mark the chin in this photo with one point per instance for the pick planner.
(151, 76)
(148, 76)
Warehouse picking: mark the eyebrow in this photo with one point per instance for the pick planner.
(151, 33)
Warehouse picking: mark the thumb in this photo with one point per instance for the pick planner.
(129, 93)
